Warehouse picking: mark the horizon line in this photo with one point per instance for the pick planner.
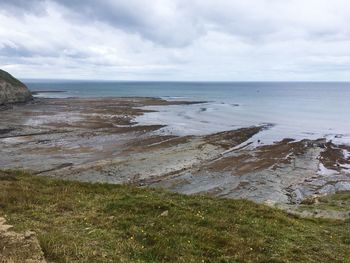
(186, 81)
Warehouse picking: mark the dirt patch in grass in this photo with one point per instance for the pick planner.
(18, 248)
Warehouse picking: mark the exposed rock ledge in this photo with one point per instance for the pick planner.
(19, 248)
(12, 90)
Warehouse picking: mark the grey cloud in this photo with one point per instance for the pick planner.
(140, 17)
(201, 38)
(20, 51)
(10, 51)
(21, 7)
(183, 22)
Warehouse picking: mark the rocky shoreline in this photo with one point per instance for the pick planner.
(97, 140)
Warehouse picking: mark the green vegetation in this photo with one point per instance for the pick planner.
(81, 222)
(9, 78)
(338, 202)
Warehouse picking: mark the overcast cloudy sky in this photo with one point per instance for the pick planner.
(176, 39)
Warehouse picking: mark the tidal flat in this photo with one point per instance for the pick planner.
(99, 140)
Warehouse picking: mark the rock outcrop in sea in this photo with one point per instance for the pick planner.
(12, 90)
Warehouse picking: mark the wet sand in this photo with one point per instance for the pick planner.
(98, 140)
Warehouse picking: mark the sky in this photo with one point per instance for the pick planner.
(181, 40)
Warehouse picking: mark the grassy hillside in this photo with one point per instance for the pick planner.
(80, 222)
(9, 78)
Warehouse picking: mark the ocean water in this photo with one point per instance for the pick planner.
(293, 109)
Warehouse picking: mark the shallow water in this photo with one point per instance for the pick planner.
(296, 110)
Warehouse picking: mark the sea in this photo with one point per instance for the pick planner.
(297, 110)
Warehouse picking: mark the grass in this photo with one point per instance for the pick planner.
(81, 222)
(339, 202)
(9, 78)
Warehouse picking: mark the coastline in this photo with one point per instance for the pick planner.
(98, 140)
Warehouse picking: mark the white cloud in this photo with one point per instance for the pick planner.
(176, 39)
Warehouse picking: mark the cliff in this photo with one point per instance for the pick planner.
(12, 90)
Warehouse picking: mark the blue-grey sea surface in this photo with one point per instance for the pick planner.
(294, 109)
